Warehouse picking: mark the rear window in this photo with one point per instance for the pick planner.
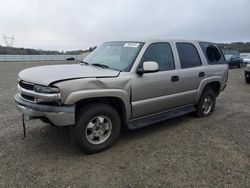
(213, 53)
(188, 54)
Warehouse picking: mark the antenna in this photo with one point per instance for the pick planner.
(9, 41)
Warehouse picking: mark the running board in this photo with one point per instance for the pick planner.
(155, 118)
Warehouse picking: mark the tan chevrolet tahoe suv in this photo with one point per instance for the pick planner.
(128, 84)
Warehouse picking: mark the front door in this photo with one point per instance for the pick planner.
(156, 92)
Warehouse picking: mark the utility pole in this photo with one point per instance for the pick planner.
(9, 41)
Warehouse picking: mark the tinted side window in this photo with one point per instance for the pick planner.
(212, 53)
(188, 54)
(160, 53)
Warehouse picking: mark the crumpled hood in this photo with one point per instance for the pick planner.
(45, 75)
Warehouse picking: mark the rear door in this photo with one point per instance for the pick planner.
(191, 71)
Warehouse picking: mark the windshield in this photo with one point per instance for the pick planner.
(115, 55)
(228, 57)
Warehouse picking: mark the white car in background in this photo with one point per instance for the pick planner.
(245, 57)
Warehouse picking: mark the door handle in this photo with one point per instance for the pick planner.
(174, 78)
(201, 74)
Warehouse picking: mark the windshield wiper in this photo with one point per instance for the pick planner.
(84, 62)
(100, 65)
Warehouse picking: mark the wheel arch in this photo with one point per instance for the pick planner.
(115, 102)
(213, 83)
(113, 96)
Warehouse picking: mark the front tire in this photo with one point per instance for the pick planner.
(97, 128)
(206, 104)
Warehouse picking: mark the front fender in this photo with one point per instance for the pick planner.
(95, 93)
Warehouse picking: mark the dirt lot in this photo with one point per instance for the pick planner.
(182, 152)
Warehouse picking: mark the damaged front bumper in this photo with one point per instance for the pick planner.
(56, 115)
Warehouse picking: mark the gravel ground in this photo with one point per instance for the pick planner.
(182, 152)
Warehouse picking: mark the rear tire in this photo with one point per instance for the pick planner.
(247, 80)
(97, 128)
(206, 104)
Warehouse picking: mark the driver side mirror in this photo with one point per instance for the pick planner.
(148, 67)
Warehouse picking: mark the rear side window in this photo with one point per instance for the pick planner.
(188, 54)
(212, 53)
(160, 53)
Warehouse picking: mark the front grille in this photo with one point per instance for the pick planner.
(26, 92)
(26, 85)
(29, 98)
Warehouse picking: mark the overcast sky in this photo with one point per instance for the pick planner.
(78, 24)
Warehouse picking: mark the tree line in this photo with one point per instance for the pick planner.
(28, 51)
(239, 46)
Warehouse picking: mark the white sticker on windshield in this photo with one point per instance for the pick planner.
(131, 45)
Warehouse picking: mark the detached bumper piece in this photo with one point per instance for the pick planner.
(56, 115)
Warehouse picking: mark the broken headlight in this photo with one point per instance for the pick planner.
(46, 89)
